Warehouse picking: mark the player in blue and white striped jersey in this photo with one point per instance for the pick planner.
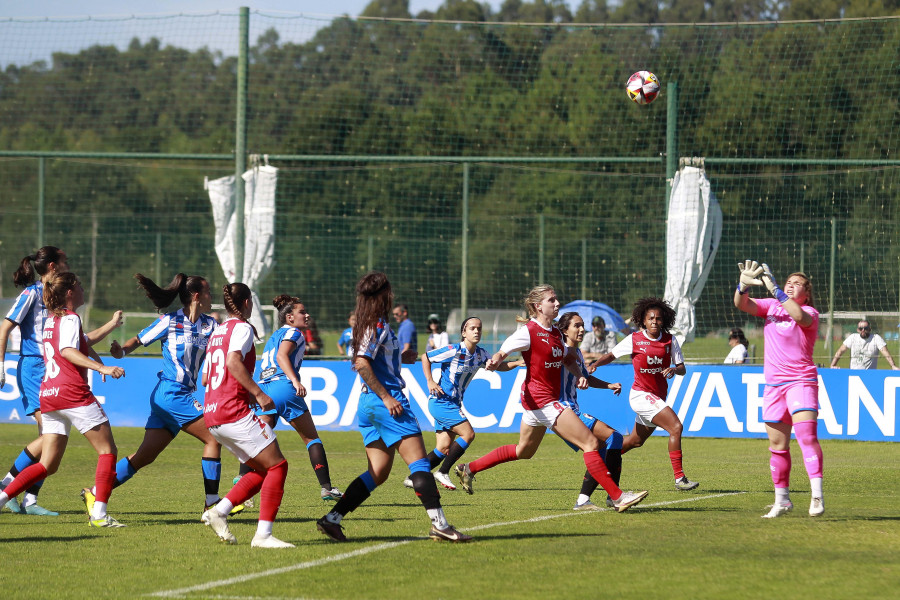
(459, 363)
(386, 420)
(28, 314)
(183, 334)
(278, 375)
(572, 327)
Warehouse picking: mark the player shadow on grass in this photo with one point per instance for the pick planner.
(54, 538)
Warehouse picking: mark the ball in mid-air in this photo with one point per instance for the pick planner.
(642, 87)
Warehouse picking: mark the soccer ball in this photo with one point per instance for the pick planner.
(642, 87)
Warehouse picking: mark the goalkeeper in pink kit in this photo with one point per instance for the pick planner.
(791, 397)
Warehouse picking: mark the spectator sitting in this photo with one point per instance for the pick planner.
(437, 337)
(597, 341)
(313, 339)
(739, 344)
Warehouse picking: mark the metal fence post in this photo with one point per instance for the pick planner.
(40, 215)
(541, 248)
(240, 141)
(464, 253)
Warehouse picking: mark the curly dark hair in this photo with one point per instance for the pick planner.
(645, 304)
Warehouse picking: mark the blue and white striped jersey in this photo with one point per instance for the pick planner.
(568, 394)
(458, 367)
(382, 348)
(29, 313)
(268, 369)
(183, 344)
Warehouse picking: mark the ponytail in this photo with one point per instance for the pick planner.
(182, 287)
(55, 292)
(25, 275)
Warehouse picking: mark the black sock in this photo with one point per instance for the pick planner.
(356, 494)
(453, 454)
(614, 464)
(434, 460)
(320, 465)
(245, 468)
(426, 489)
(588, 485)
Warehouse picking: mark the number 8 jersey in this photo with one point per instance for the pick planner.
(226, 400)
(64, 384)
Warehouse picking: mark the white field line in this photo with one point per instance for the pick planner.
(386, 546)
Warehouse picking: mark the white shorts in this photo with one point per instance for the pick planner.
(543, 417)
(646, 406)
(244, 438)
(83, 418)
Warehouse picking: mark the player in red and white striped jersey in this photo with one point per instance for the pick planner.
(545, 355)
(66, 398)
(656, 357)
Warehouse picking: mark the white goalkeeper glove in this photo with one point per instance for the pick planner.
(770, 282)
(2, 375)
(750, 272)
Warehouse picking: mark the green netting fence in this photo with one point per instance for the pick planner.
(391, 135)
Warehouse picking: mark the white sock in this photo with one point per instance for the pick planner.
(437, 517)
(815, 485)
(212, 499)
(29, 499)
(582, 499)
(6, 480)
(224, 507)
(99, 510)
(782, 496)
(3, 498)
(334, 517)
(264, 528)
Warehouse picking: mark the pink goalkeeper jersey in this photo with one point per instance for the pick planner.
(789, 347)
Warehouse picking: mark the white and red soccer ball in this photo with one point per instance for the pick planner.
(642, 87)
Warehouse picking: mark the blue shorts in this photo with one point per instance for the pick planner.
(29, 376)
(589, 422)
(376, 423)
(447, 413)
(172, 406)
(288, 405)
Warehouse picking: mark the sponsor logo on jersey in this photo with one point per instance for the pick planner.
(210, 408)
(50, 392)
(654, 360)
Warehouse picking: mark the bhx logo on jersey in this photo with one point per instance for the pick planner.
(654, 360)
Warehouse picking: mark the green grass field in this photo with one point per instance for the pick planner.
(709, 543)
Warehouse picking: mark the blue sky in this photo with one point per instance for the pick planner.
(67, 8)
(25, 37)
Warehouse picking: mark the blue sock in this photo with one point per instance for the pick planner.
(462, 443)
(438, 453)
(124, 471)
(315, 441)
(368, 480)
(23, 461)
(421, 465)
(212, 473)
(614, 442)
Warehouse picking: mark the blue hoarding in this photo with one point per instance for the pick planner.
(712, 401)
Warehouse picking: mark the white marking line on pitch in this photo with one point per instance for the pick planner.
(363, 551)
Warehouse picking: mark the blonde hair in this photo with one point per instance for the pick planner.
(534, 297)
(55, 291)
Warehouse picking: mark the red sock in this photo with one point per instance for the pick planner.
(104, 477)
(597, 468)
(246, 487)
(272, 491)
(493, 458)
(24, 480)
(675, 457)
